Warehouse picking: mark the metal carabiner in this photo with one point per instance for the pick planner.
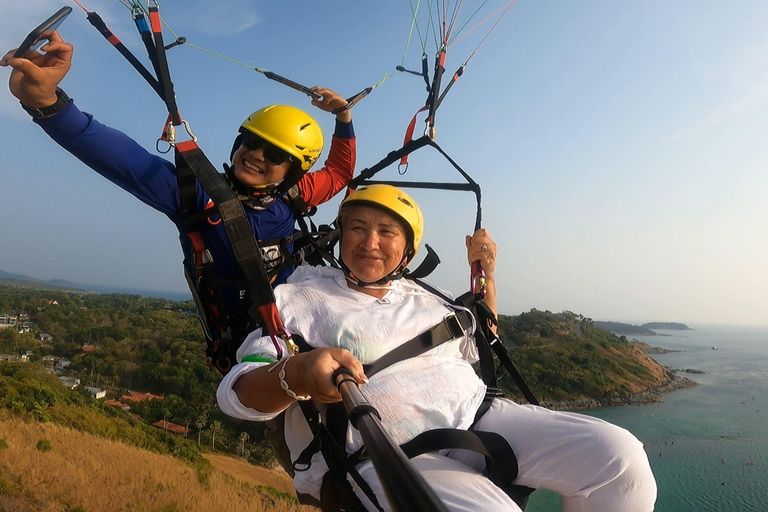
(189, 130)
(478, 284)
(169, 136)
(285, 335)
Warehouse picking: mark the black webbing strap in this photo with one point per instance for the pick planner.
(501, 352)
(426, 267)
(499, 456)
(244, 244)
(146, 37)
(95, 20)
(391, 158)
(335, 455)
(453, 326)
(164, 75)
(486, 338)
(432, 102)
(412, 145)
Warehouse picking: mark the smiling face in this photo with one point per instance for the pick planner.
(372, 245)
(253, 170)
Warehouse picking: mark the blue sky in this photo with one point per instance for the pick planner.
(620, 146)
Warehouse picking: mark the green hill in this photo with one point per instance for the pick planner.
(566, 357)
(126, 342)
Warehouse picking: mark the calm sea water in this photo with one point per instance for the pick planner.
(708, 445)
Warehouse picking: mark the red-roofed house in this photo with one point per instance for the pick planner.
(136, 397)
(119, 405)
(171, 427)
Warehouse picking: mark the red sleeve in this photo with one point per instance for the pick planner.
(320, 186)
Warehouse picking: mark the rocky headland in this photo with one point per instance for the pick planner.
(649, 396)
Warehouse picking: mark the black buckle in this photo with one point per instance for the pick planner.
(453, 325)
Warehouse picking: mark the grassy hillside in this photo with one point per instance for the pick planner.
(86, 473)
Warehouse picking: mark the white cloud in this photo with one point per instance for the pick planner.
(220, 18)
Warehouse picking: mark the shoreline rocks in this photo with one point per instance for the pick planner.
(649, 396)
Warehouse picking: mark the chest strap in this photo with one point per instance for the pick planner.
(453, 326)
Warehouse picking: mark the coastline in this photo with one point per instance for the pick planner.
(649, 396)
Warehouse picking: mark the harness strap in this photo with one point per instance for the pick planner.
(486, 318)
(163, 73)
(490, 444)
(95, 20)
(453, 326)
(239, 231)
(333, 452)
(427, 266)
(485, 314)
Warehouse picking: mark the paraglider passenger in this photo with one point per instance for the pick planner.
(273, 150)
(354, 315)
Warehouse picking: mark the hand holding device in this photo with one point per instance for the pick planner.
(32, 41)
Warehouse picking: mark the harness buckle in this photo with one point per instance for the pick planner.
(452, 323)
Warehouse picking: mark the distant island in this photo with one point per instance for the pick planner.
(667, 326)
(648, 329)
(625, 329)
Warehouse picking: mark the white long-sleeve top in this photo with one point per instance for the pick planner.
(438, 389)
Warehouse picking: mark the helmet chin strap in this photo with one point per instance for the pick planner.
(393, 276)
(254, 198)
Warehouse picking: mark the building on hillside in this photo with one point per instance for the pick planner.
(135, 397)
(23, 329)
(118, 404)
(171, 427)
(96, 392)
(19, 358)
(45, 337)
(69, 382)
(8, 320)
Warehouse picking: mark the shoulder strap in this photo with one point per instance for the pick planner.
(189, 158)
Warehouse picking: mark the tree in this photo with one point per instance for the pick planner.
(215, 427)
(243, 438)
(200, 423)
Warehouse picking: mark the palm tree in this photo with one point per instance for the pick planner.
(241, 447)
(215, 427)
(200, 423)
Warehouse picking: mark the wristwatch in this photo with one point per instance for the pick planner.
(39, 113)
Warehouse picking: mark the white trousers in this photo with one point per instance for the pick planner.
(595, 466)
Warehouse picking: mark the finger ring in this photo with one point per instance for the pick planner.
(483, 248)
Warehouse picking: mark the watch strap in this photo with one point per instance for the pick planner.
(39, 113)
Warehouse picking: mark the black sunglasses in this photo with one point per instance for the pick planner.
(272, 154)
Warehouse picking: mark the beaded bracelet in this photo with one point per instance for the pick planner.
(283, 384)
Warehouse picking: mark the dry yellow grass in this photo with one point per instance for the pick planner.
(89, 474)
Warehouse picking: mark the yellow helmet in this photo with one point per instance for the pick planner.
(395, 201)
(292, 130)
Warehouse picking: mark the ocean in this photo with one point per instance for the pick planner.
(708, 445)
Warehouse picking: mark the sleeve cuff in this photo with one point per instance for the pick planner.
(344, 130)
(68, 123)
(228, 401)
